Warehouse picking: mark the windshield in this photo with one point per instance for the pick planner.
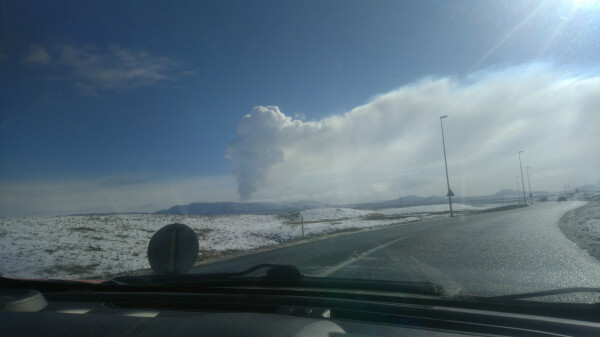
(446, 142)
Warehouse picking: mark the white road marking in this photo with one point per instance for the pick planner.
(351, 260)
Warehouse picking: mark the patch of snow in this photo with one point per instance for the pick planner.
(435, 209)
(330, 213)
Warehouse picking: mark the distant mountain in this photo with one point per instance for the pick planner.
(591, 187)
(219, 208)
(106, 213)
(509, 192)
(505, 192)
(406, 201)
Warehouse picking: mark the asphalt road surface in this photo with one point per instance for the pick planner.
(498, 253)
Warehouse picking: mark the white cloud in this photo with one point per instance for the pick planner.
(94, 69)
(392, 145)
(38, 55)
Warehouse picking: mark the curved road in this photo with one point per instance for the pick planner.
(499, 253)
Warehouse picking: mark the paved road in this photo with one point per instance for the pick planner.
(498, 253)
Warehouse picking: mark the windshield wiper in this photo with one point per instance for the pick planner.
(275, 276)
(273, 272)
(544, 293)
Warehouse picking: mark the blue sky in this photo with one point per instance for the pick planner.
(151, 94)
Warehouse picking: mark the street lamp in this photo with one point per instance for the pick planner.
(522, 179)
(450, 194)
(518, 190)
(529, 182)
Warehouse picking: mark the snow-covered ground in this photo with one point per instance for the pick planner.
(93, 246)
(582, 226)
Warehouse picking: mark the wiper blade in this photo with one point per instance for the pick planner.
(544, 293)
(277, 276)
(273, 272)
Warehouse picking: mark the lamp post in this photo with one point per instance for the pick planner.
(450, 193)
(522, 179)
(529, 182)
(518, 190)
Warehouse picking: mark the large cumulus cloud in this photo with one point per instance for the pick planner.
(392, 145)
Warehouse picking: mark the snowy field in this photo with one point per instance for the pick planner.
(582, 226)
(95, 246)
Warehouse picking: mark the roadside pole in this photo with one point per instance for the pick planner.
(518, 190)
(522, 179)
(529, 182)
(450, 194)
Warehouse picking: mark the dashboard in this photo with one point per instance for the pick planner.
(252, 313)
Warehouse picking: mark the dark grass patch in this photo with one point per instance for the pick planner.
(293, 219)
(82, 229)
(290, 216)
(379, 216)
(345, 230)
(330, 221)
(375, 216)
(93, 249)
(498, 209)
(202, 232)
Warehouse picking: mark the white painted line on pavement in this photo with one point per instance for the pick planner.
(351, 260)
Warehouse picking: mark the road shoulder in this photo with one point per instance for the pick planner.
(582, 226)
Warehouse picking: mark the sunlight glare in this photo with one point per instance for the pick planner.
(585, 3)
